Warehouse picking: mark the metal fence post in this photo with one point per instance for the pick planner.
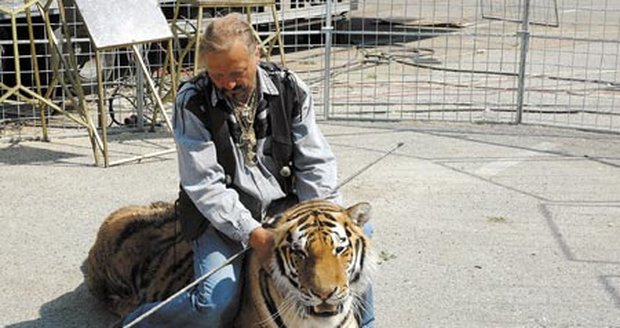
(328, 30)
(525, 40)
(140, 93)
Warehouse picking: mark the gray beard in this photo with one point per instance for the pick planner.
(238, 99)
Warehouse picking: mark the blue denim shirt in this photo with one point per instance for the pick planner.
(204, 179)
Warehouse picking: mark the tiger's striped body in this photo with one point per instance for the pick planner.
(321, 265)
(139, 257)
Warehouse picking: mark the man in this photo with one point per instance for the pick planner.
(248, 145)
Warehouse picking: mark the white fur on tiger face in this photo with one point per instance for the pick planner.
(322, 265)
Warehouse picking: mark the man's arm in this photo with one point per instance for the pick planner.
(203, 178)
(315, 164)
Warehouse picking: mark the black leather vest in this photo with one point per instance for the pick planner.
(283, 109)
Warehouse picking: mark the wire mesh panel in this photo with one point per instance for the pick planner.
(17, 67)
(542, 12)
(450, 60)
(573, 70)
(429, 60)
(121, 78)
(301, 22)
(460, 60)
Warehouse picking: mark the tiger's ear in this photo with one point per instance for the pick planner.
(359, 213)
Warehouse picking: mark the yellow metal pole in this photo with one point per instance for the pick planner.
(102, 112)
(35, 72)
(248, 14)
(175, 30)
(197, 45)
(278, 32)
(190, 43)
(71, 70)
(141, 157)
(10, 92)
(18, 72)
(151, 84)
(174, 76)
(168, 65)
(95, 140)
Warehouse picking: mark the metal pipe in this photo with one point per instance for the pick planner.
(102, 111)
(139, 90)
(279, 39)
(141, 157)
(197, 42)
(525, 41)
(151, 85)
(35, 72)
(174, 75)
(18, 78)
(71, 72)
(327, 29)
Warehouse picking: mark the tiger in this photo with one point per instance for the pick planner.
(321, 264)
(139, 256)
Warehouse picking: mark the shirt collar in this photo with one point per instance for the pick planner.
(265, 85)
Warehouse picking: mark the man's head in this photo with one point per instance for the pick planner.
(230, 53)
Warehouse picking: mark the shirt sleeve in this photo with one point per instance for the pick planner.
(316, 171)
(203, 178)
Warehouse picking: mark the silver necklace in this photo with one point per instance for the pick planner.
(245, 113)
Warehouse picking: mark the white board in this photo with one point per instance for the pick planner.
(119, 23)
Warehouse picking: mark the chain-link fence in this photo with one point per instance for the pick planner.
(516, 61)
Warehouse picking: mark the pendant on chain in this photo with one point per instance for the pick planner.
(248, 145)
(245, 115)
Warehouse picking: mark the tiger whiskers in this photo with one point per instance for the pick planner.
(294, 306)
(287, 303)
(359, 302)
(300, 311)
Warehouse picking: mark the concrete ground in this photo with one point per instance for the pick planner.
(476, 225)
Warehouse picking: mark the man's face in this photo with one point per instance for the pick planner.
(234, 71)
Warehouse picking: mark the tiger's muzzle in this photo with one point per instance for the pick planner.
(325, 310)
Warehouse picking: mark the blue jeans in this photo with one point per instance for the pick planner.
(215, 301)
(367, 313)
(212, 303)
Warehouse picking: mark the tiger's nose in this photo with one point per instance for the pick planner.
(325, 294)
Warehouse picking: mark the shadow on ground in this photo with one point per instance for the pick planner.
(77, 308)
(18, 154)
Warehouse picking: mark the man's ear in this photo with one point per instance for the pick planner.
(257, 52)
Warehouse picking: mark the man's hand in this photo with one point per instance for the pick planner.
(262, 242)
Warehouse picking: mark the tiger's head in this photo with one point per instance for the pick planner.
(322, 260)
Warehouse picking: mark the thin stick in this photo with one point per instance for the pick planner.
(363, 169)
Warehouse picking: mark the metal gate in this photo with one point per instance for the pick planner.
(516, 61)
